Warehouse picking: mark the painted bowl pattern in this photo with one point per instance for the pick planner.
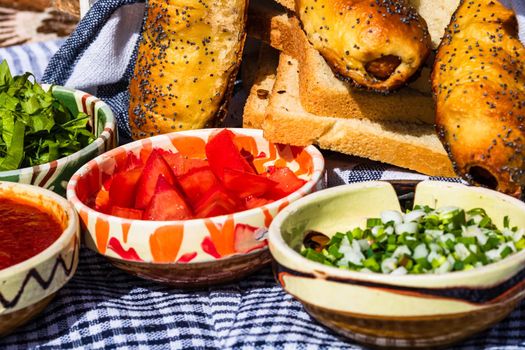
(26, 288)
(189, 252)
(396, 311)
(55, 175)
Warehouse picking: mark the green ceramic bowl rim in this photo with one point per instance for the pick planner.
(110, 124)
(275, 239)
(65, 237)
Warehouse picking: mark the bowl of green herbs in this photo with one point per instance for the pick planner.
(48, 132)
(448, 265)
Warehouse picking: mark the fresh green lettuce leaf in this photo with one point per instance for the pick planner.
(35, 127)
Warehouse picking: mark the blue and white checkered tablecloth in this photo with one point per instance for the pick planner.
(102, 307)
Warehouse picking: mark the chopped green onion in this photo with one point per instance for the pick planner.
(423, 240)
(373, 222)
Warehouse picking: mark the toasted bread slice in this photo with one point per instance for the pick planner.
(408, 145)
(322, 93)
(437, 14)
(259, 97)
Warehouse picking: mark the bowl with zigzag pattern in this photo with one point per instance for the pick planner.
(29, 283)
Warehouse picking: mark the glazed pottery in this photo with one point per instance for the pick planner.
(395, 311)
(189, 253)
(55, 175)
(27, 287)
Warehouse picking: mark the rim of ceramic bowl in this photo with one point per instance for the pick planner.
(61, 242)
(317, 160)
(96, 144)
(275, 239)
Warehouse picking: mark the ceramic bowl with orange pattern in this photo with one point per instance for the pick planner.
(196, 252)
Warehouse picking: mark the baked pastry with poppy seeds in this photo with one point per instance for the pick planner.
(377, 44)
(479, 87)
(187, 61)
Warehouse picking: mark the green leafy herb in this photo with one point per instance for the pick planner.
(35, 127)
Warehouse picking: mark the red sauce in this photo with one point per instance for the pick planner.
(25, 231)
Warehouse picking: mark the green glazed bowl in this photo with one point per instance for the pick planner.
(56, 174)
(407, 311)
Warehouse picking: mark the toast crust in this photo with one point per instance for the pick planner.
(407, 145)
(259, 97)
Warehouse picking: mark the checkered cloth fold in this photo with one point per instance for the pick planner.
(102, 307)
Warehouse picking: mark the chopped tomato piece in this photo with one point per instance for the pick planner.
(123, 188)
(127, 213)
(222, 153)
(246, 184)
(107, 184)
(287, 182)
(167, 203)
(256, 202)
(180, 165)
(247, 155)
(154, 168)
(197, 182)
(175, 161)
(216, 202)
(102, 201)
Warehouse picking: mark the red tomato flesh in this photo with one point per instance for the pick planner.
(256, 202)
(123, 188)
(180, 165)
(197, 182)
(127, 213)
(154, 168)
(167, 203)
(216, 202)
(246, 184)
(222, 153)
(287, 182)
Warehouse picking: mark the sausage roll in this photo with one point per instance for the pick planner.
(378, 44)
(187, 61)
(479, 87)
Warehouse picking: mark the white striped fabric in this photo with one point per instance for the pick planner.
(31, 57)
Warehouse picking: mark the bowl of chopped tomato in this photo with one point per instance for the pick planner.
(39, 251)
(191, 208)
(450, 264)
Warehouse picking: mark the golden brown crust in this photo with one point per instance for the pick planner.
(479, 87)
(378, 44)
(408, 145)
(187, 61)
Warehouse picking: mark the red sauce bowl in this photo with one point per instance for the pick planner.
(49, 259)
